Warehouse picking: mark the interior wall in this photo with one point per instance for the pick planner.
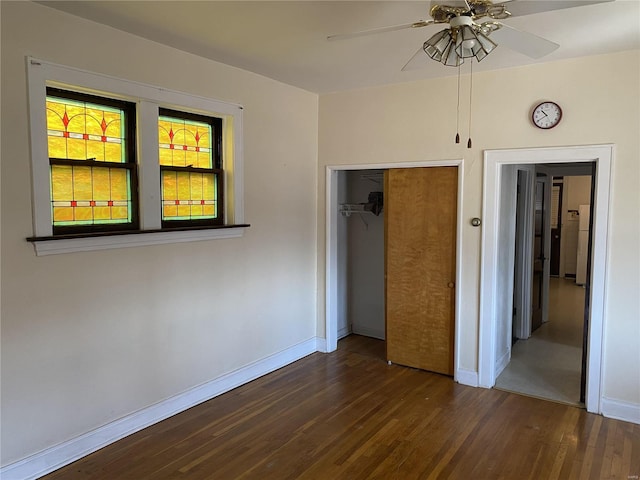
(416, 122)
(90, 337)
(344, 326)
(365, 259)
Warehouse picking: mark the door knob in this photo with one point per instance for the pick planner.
(451, 285)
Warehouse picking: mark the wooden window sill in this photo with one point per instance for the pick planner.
(132, 238)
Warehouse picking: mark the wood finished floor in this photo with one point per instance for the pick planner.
(348, 415)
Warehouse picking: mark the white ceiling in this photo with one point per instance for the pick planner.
(286, 40)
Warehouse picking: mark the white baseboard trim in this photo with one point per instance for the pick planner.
(502, 363)
(321, 345)
(368, 332)
(466, 377)
(60, 455)
(620, 410)
(343, 332)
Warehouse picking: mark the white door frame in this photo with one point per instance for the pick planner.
(493, 162)
(523, 262)
(331, 247)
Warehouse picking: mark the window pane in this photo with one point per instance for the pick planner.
(188, 196)
(90, 195)
(80, 130)
(184, 143)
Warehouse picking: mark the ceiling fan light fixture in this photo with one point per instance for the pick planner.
(450, 57)
(487, 44)
(438, 44)
(470, 43)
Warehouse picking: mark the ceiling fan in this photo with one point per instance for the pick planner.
(468, 36)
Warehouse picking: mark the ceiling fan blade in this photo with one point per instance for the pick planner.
(529, 7)
(523, 42)
(373, 31)
(419, 60)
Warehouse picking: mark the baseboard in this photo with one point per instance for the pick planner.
(620, 410)
(502, 362)
(60, 455)
(466, 377)
(368, 332)
(321, 345)
(343, 332)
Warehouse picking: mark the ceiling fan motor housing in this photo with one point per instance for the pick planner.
(460, 21)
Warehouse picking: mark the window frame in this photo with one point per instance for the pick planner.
(148, 99)
(216, 168)
(130, 164)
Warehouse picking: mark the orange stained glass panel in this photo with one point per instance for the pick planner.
(61, 182)
(196, 186)
(102, 184)
(208, 187)
(57, 147)
(77, 120)
(196, 210)
(192, 159)
(102, 213)
(184, 186)
(89, 195)
(119, 184)
(113, 150)
(184, 211)
(80, 130)
(83, 184)
(83, 214)
(163, 131)
(188, 143)
(62, 214)
(55, 114)
(120, 213)
(169, 186)
(166, 156)
(95, 149)
(76, 149)
(94, 121)
(170, 211)
(188, 195)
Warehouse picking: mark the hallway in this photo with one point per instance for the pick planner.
(548, 364)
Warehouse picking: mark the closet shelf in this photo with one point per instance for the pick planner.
(346, 209)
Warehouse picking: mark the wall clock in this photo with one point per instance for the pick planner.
(546, 115)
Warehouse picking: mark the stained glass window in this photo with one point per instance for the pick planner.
(91, 162)
(184, 143)
(80, 131)
(189, 156)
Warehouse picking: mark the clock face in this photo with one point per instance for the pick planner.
(546, 115)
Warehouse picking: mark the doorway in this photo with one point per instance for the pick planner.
(496, 307)
(335, 300)
(546, 358)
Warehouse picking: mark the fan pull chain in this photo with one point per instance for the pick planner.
(470, 99)
(458, 110)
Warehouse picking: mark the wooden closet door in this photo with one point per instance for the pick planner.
(420, 214)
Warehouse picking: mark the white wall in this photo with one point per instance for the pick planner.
(416, 122)
(344, 327)
(90, 337)
(365, 260)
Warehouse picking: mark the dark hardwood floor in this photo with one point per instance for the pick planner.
(349, 415)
